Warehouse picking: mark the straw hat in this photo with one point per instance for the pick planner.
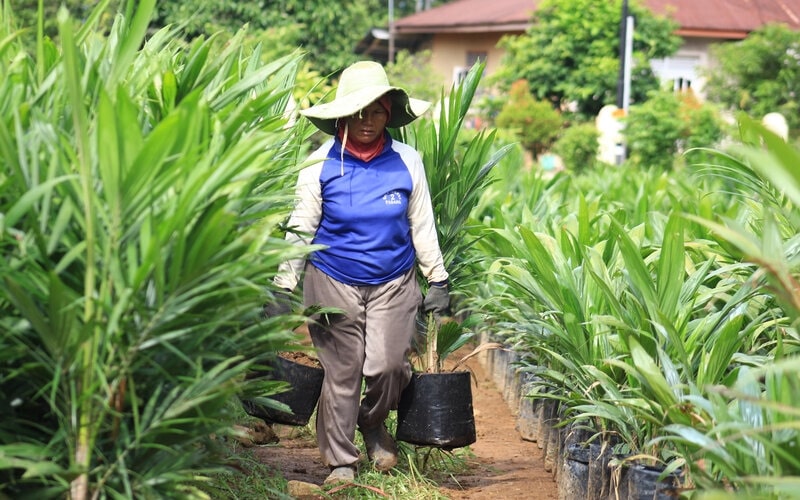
(359, 86)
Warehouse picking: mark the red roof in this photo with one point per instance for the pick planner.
(470, 15)
(714, 18)
(698, 16)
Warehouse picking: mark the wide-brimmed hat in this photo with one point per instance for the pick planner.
(359, 86)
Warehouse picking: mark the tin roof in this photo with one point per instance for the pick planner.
(713, 18)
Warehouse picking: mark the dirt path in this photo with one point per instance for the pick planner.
(503, 466)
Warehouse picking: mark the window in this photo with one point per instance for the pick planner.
(460, 72)
(681, 70)
(473, 57)
(680, 84)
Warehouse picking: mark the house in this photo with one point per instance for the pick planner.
(460, 32)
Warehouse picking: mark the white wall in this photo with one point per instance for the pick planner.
(684, 67)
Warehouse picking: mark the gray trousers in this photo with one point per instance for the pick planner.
(372, 340)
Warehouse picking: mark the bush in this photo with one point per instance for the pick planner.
(578, 146)
(652, 130)
(704, 128)
(489, 106)
(536, 123)
(759, 74)
(668, 124)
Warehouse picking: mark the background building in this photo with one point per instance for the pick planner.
(460, 32)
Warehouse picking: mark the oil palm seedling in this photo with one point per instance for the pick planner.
(627, 321)
(748, 443)
(748, 446)
(142, 182)
(457, 175)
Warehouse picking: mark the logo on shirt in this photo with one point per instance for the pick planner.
(393, 198)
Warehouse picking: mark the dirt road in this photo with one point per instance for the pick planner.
(503, 466)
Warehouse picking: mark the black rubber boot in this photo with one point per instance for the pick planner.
(381, 448)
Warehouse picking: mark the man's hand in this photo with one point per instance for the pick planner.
(281, 306)
(437, 300)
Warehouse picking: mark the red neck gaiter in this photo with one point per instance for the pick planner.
(364, 152)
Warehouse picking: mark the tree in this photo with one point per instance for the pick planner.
(567, 56)
(759, 74)
(414, 73)
(668, 124)
(25, 13)
(326, 31)
(535, 122)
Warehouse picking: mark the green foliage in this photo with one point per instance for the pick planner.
(204, 17)
(770, 242)
(578, 146)
(26, 13)
(444, 338)
(326, 31)
(669, 124)
(535, 122)
(704, 126)
(415, 73)
(569, 56)
(652, 130)
(750, 438)
(660, 307)
(489, 105)
(759, 75)
(142, 184)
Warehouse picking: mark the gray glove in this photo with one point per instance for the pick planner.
(281, 306)
(437, 301)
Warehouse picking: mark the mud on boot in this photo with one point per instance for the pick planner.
(342, 474)
(381, 448)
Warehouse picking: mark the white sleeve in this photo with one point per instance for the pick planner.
(304, 219)
(423, 224)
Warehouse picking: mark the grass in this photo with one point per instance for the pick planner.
(248, 478)
(419, 474)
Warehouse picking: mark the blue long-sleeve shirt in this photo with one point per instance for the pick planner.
(375, 218)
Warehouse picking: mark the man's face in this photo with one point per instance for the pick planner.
(367, 125)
